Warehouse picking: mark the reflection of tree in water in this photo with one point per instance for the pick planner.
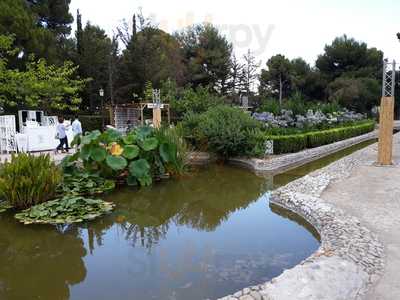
(203, 202)
(39, 262)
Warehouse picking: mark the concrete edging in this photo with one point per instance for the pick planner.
(286, 162)
(350, 258)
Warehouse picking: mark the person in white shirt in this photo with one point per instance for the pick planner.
(77, 127)
(62, 135)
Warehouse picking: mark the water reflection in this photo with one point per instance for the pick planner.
(39, 262)
(199, 237)
(196, 238)
(203, 201)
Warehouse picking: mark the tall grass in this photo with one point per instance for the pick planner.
(175, 136)
(28, 180)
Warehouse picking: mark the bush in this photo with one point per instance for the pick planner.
(28, 180)
(298, 142)
(226, 130)
(270, 105)
(289, 143)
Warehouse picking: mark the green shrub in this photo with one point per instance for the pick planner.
(329, 107)
(28, 180)
(297, 142)
(270, 105)
(289, 143)
(227, 131)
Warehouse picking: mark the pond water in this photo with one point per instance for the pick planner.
(200, 237)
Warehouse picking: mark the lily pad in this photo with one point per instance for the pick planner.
(131, 151)
(150, 144)
(98, 153)
(129, 139)
(117, 163)
(144, 132)
(85, 152)
(87, 139)
(110, 136)
(139, 168)
(4, 206)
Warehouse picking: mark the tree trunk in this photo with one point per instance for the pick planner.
(280, 90)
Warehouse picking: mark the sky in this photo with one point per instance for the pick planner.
(294, 28)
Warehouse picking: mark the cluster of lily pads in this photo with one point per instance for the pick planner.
(67, 210)
(83, 183)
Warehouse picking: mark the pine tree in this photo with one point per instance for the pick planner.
(250, 71)
(79, 32)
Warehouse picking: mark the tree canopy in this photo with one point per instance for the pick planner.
(207, 56)
(348, 57)
(151, 55)
(40, 85)
(199, 59)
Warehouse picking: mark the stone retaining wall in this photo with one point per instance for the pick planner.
(350, 257)
(282, 163)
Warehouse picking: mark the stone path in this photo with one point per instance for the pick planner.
(355, 206)
(56, 157)
(373, 195)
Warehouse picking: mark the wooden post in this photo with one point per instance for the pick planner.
(169, 115)
(386, 119)
(111, 111)
(157, 117)
(141, 114)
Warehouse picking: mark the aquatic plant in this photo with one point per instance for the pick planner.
(174, 149)
(28, 180)
(82, 183)
(4, 206)
(67, 210)
(136, 157)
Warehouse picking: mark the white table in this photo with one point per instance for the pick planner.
(43, 138)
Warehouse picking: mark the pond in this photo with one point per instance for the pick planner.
(200, 237)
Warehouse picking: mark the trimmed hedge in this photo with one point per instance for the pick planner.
(297, 142)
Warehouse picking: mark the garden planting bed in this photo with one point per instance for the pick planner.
(281, 163)
(350, 258)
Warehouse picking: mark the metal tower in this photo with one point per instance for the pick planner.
(389, 78)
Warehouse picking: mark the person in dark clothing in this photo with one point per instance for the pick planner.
(62, 136)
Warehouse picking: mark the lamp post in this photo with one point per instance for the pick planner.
(101, 93)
